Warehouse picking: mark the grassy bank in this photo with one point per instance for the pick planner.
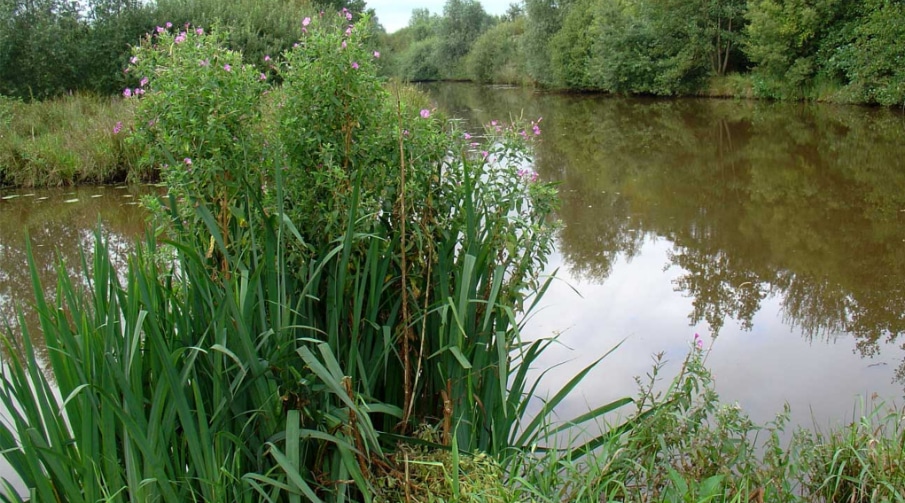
(66, 141)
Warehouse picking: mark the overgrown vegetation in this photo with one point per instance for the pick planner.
(783, 49)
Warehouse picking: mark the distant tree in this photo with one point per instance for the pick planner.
(462, 23)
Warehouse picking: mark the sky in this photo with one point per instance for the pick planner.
(394, 14)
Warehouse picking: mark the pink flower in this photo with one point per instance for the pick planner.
(199, 31)
(187, 161)
(698, 342)
(484, 154)
(127, 92)
(348, 16)
(376, 54)
(204, 62)
(355, 65)
(143, 82)
(262, 77)
(161, 29)
(169, 25)
(343, 44)
(349, 30)
(117, 127)
(405, 132)
(133, 60)
(467, 136)
(138, 91)
(227, 67)
(180, 38)
(425, 113)
(306, 21)
(267, 57)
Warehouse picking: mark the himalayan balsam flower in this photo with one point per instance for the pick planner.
(227, 67)
(425, 113)
(117, 127)
(355, 65)
(376, 54)
(127, 92)
(143, 82)
(306, 21)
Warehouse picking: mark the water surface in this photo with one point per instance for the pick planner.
(776, 231)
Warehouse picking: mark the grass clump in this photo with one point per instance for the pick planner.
(38, 147)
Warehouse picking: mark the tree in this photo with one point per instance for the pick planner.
(462, 23)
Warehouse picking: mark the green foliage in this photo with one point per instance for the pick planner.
(496, 55)
(207, 144)
(39, 148)
(572, 48)
(875, 73)
(544, 20)
(462, 23)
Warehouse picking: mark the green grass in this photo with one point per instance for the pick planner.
(65, 141)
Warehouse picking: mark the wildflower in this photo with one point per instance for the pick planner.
(161, 29)
(376, 54)
(306, 21)
(493, 123)
(227, 67)
(698, 342)
(187, 161)
(117, 127)
(133, 60)
(349, 31)
(344, 44)
(405, 132)
(425, 113)
(348, 16)
(138, 91)
(199, 31)
(180, 38)
(467, 136)
(536, 129)
(484, 154)
(151, 123)
(169, 25)
(266, 58)
(204, 62)
(355, 65)
(143, 82)
(474, 144)
(262, 77)
(127, 93)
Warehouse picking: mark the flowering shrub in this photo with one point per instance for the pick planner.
(199, 116)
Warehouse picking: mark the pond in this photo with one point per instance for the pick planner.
(775, 231)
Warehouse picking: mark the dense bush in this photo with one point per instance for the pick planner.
(497, 56)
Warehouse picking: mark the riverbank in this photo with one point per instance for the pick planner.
(71, 140)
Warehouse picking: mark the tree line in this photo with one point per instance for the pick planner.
(837, 50)
(848, 51)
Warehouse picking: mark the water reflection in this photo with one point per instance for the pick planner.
(59, 223)
(791, 209)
